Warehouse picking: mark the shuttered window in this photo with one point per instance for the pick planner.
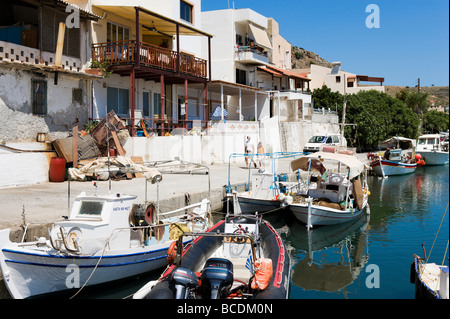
(50, 27)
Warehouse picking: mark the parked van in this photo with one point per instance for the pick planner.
(318, 142)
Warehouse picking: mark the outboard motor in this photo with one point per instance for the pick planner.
(185, 280)
(217, 278)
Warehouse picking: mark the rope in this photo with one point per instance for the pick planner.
(437, 233)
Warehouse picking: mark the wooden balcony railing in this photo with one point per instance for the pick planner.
(124, 52)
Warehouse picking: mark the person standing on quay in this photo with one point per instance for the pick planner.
(249, 149)
(260, 151)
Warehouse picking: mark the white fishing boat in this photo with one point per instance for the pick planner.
(336, 189)
(105, 238)
(266, 189)
(434, 148)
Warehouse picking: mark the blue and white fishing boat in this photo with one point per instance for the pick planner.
(105, 238)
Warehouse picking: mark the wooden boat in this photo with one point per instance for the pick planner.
(382, 167)
(402, 159)
(105, 238)
(434, 148)
(240, 257)
(333, 197)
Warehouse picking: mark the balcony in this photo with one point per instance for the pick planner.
(123, 53)
(251, 55)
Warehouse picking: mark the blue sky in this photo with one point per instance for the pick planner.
(412, 41)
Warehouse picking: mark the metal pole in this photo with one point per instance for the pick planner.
(309, 201)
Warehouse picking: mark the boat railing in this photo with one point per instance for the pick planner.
(161, 223)
(249, 237)
(273, 157)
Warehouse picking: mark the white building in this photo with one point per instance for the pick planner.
(340, 81)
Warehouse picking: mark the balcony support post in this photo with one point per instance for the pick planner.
(205, 104)
(132, 101)
(178, 50)
(138, 41)
(186, 103)
(162, 106)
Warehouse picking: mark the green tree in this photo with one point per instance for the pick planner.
(378, 117)
(435, 122)
(325, 98)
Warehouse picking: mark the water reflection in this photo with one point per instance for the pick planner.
(328, 258)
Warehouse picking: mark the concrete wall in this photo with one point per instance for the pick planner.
(18, 169)
(17, 123)
(294, 135)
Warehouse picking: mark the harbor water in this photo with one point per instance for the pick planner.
(364, 259)
(370, 258)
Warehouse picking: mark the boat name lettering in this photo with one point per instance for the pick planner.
(116, 209)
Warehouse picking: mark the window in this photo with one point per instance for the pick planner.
(186, 11)
(239, 39)
(241, 77)
(118, 100)
(77, 96)
(146, 103)
(91, 208)
(156, 103)
(338, 79)
(115, 32)
(39, 96)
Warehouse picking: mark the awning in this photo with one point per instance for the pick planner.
(355, 165)
(261, 37)
(151, 20)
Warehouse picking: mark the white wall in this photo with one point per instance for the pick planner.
(18, 169)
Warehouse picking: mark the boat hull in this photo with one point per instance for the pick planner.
(321, 215)
(251, 205)
(30, 272)
(391, 168)
(421, 289)
(435, 157)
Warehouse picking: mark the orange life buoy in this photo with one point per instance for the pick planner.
(171, 253)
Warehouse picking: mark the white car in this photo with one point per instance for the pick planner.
(316, 143)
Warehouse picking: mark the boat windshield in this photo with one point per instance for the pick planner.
(426, 141)
(317, 139)
(91, 208)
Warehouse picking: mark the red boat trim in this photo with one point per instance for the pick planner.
(281, 256)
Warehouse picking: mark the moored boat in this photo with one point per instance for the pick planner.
(329, 197)
(399, 158)
(105, 238)
(266, 188)
(434, 148)
(240, 257)
(430, 280)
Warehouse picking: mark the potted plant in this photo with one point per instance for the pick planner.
(99, 68)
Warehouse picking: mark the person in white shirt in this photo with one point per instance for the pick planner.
(249, 149)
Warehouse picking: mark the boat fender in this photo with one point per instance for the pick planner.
(171, 253)
(281, 197)
(263, 275)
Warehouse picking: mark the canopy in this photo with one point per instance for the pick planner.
(355, 165)
(261, 37)
(400, 139)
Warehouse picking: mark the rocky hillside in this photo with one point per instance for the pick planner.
(437, 95)
(302, 59)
